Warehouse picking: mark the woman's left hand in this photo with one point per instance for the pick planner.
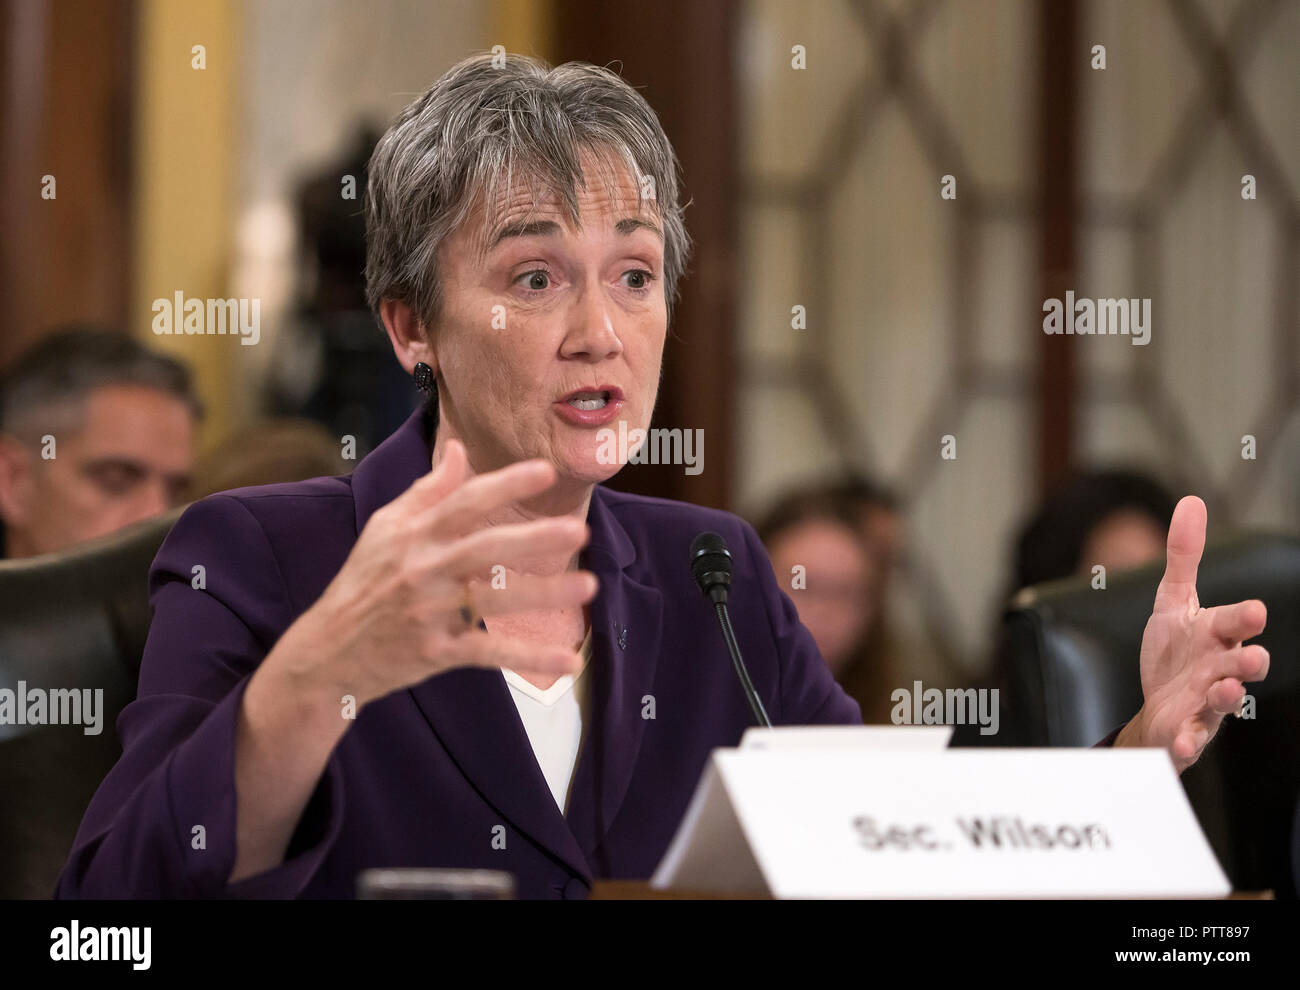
(1192, 661)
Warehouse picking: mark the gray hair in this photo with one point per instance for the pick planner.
(491, 116)
(54, 377)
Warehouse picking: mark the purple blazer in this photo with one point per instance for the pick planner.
(428, 776)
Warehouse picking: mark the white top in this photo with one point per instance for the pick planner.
(554, 720)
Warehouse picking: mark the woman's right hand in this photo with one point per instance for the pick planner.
(392, 618)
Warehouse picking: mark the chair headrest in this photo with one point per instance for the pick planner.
(82, 610)
(1234, 568)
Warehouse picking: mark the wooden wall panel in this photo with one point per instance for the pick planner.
(680, 56)
(65, 111)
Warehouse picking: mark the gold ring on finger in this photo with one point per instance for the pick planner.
(467, 607)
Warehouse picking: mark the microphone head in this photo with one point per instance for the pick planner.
(711, 565)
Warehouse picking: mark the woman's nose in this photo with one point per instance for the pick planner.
(591, 333)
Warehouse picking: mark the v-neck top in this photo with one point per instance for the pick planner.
(555, 720)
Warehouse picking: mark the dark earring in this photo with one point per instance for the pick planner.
(423, 377)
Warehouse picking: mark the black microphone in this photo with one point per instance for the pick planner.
(711, 568)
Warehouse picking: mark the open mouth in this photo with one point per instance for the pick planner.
(588, 401)
(593, 399)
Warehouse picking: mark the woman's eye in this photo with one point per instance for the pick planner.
(537, 280)
(540, 279)
(641, 278)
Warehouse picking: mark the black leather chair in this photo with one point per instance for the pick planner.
(1070, 666)
(75, 619)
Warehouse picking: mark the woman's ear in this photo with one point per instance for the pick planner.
(407, 335)
(16, 483)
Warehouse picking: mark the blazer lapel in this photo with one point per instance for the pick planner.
(472, 714)
(470, 711)
(392, 467)
(626, 627)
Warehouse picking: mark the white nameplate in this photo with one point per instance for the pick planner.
(923, 738)
(849, 822)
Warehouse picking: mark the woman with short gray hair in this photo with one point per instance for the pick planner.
(469, 653)
(492, 119)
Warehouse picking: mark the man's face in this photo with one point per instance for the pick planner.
(129, 458)
(547, 310)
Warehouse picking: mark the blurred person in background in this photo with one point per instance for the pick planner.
(880, 520)
(1116, 518)
(848, 535)
(825, 564)
(96, 433)
(269, 452)
(329, 364)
